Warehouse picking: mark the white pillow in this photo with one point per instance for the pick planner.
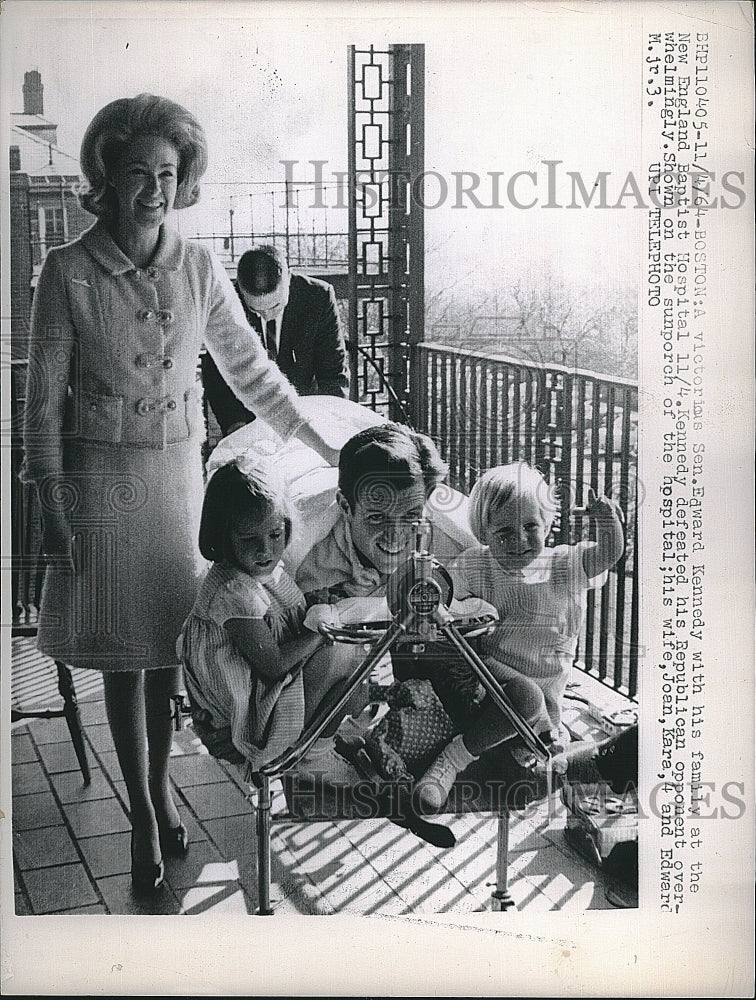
(311, 483)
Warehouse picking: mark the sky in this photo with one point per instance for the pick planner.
(508, 86)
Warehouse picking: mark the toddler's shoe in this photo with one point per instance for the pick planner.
(434, 786)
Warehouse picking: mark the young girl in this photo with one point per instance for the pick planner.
(254, 672)
(540, 596)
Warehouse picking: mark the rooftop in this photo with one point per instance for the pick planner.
(22, 120)
(36, 151)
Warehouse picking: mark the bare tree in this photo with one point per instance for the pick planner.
(542, 320)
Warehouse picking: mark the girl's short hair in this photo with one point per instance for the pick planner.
(115, 126)
(503, 484)
(231, 494)
(389, 455)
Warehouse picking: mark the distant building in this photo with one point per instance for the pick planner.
(44, 208)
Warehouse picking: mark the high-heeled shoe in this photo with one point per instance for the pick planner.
(174, 841)
(146, 877)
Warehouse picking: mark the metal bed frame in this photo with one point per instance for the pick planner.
(418, 595)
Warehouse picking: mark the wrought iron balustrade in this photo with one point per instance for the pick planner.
(578, 428)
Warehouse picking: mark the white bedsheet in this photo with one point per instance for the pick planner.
(312, 484)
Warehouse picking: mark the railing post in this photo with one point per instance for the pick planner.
(386, 243)
(418, 383)
(353, 338)
(396, 236)
(416, 234)
(564, 465)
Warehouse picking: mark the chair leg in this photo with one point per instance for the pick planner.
(500, 897)
(73, 718)
(263, 848)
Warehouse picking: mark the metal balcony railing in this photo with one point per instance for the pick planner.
(578, 428)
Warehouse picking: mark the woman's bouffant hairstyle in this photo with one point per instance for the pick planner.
(115, 126)
(231, 494)
(389, 456)
(502, 485)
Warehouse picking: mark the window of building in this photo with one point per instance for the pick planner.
(54, 227)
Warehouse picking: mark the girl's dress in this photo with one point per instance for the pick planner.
(541, 612)
(231, 703)
(113, 432)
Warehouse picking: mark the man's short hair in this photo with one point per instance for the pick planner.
(389, 454)
(260, 270)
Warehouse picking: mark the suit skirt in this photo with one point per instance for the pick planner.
(134, 516)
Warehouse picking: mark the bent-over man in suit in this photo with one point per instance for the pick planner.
(297, 319)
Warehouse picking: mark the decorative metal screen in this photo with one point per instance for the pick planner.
(386, 276)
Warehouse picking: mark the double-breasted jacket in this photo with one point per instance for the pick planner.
(113, 350)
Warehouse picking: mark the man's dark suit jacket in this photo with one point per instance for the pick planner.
(311, 351)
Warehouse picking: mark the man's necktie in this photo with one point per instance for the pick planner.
(270, 339)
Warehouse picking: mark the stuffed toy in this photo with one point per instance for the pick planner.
(416, 728)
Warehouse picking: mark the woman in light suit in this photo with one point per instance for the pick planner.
(112, 436)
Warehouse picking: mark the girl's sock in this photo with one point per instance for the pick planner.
(459, 754)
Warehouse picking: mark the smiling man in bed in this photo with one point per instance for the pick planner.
(386, 475)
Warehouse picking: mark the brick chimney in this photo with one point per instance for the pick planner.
(33, 93)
